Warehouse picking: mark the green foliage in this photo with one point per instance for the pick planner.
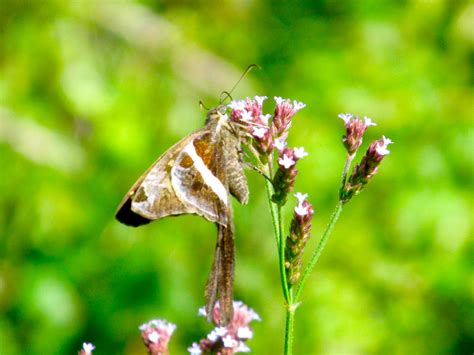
(92, 92)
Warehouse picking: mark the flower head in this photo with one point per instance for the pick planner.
(283, 115)
(156, 335)
(363, 172)
(355, 129)
(231, 338)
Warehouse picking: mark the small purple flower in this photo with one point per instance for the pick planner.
(300, 152)
(286, 161)
(280, 144)
(259, 132)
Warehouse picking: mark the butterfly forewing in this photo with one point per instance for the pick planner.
(196, 178)
(152, 196)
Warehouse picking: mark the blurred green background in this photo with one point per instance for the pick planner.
(92, 92)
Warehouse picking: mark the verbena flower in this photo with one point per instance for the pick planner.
(231, 338)
(156, 335)
(285, 177)
(355, 129)
(295, 243)
(267, 133)
(368, 167)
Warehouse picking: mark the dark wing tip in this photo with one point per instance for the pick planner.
(126, 216)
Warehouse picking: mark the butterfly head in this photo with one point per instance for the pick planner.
(217, 114)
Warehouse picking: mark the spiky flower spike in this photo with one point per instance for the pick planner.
(299, 234)
(231, 338)
(156, 335)
(355, 129)
(368, 167)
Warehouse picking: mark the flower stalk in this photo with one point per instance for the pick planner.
(267, 135)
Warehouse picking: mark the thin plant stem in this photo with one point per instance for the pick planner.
(275, 212)
(317, 253)
(277, 219)
(347, 166)
(289, 326)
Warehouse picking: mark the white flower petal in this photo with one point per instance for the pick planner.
(298, 105)
(229, 342)
(244, 333)
(221, 331)
(242, 348)
(154, 337)
(301, 197)
(260, 99)
(368, 122)
(88, 347)
(300, 153)
(259, 132)
(286, 161)
(280, 144)
(202, 311)
(345, 116)
(301, 210)
(195, 349)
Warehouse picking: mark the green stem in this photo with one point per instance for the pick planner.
(290, 321)
(317, 253)
(275, 211)
(347, 166)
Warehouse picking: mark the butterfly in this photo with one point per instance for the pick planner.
(197, 175)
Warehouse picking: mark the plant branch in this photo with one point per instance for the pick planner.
(317, 253)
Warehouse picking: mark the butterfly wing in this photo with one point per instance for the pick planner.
(152, 196)
(184, 180)
(199, 180)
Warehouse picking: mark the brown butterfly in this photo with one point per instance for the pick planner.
(196, 176)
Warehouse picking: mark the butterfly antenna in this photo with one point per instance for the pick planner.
(202, 106)
(227, 94)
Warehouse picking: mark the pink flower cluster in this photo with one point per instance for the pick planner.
(231, 338)
(267, 133)
(355, 130)
(156, 335)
